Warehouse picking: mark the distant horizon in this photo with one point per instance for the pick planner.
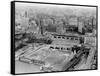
(56, 9)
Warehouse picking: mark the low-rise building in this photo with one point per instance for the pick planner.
(65, 39)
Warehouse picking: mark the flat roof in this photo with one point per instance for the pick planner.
(65, 35)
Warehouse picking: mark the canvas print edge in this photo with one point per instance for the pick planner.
(12, 33)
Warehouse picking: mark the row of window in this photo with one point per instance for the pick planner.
(62, 37)
(60, 48)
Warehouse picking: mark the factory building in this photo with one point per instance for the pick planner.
(65, 48)
(64, 39)
(60, 47)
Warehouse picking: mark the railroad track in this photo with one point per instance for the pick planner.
(75, 60)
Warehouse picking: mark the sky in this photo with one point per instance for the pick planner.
(56, 9)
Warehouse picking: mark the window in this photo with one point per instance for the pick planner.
(76, 38)
(63, 37)
(64, 48)
(54, 36)
(59, 37)
(61, 48)
(72, 38)
(57, 48)
(68, 48)
(52, 47)
(67, 38)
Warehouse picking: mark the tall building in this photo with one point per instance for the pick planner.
(73, 21)
(80, 24)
